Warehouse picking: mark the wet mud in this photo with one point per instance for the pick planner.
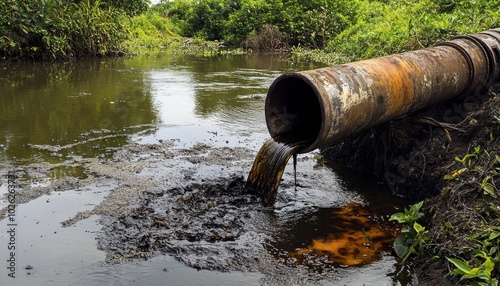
(207, 226)
(193, 204)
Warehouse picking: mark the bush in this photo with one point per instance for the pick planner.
(313, 23)
(251, 17)
(92, 30)
(309, 23)
(205, 19)
(267, 39)
(150, 30)
(26, 28)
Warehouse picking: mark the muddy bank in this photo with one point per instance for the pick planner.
(446, 155)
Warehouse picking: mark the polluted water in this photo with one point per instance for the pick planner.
(269, 164)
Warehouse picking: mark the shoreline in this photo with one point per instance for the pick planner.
(445, 155)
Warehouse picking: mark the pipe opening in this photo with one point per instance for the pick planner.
(293, 110)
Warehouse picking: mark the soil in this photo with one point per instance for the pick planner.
(423, 156)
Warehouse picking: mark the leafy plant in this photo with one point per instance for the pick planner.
(487, 187)
(467, 158)
(52, 29)
(413, 237)
(387, 27)
(487, 259)
(483, 272)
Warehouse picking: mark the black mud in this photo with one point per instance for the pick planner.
(206, 225)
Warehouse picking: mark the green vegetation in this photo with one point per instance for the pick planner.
(413, 238)
(311, 23)
(386, 27)
(150, 30)
(347, 30)
(478, 170)
(487, 259)
(52, 29)
(329, 31)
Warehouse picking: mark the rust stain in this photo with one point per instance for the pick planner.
(360, 240)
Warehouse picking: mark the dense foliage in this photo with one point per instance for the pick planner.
(346, 29)
(51, 29)
(351, 29)
(310, 23)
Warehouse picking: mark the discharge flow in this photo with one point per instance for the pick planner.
(269, 164)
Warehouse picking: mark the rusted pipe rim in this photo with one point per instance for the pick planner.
(295, 105)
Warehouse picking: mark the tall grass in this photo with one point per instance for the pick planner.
(386, 27)
(150, 31)
(52, 29)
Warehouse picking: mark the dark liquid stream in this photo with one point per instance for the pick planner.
(269, 164)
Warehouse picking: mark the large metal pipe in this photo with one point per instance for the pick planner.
(324, 105)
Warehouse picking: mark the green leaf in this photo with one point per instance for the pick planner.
(405, 229)
(473, 273)
(460, 265)
(416, 207)
(488, 189)
(417, 216)
(418, 227)
(400, 246)
(489, 265)
(493, 250)
(400, 217)
(481, 274)
(494, 235)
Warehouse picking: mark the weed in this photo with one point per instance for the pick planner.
(413, 237)
(487, 259)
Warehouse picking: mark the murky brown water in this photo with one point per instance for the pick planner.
(95, 143)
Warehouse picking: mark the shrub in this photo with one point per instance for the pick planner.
(310, 23)
(251, 17)
(313, 23)
(267, 39)
(150, 30)
(93, 30)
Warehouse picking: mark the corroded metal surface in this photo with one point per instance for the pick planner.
(324, 105)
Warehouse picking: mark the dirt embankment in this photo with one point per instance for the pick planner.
(448, 156)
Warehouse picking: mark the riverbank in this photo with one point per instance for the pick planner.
(447, 156)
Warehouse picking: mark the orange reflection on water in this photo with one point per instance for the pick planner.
(358, 240)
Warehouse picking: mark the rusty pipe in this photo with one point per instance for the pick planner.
(324, 105)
